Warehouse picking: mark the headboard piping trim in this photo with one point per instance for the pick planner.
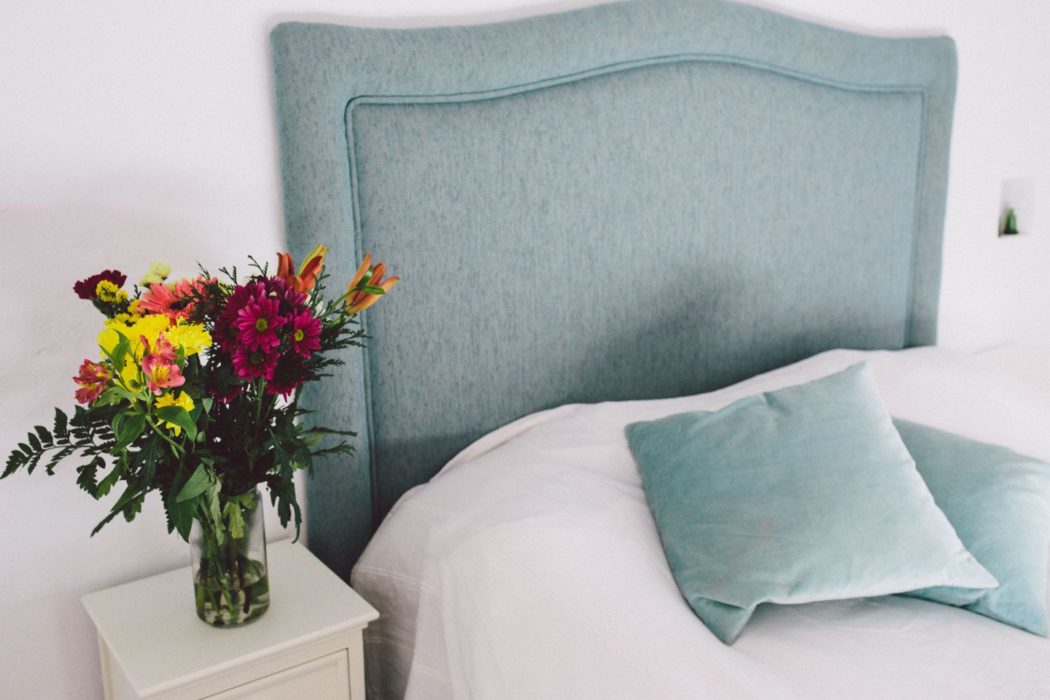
(920, 168)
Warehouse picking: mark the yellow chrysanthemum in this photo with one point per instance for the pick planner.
(149, 327)
(170, 398)
(192, 337)
(109, 293)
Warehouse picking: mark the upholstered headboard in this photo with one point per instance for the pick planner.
(633, 200)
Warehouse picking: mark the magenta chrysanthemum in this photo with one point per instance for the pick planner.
(258, 322)
(305, 333)
(252, 364)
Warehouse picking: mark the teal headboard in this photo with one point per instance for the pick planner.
(634, 200)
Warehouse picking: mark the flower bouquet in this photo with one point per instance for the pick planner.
(195, 396)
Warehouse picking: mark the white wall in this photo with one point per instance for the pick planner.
(132, 131)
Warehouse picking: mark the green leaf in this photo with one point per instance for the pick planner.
(104, 521)
(134, 507)
(86, 476)
(110, 479)
(33, 461)
(61, 424)
(14, 461)
(233, 515)
(128, 430)
(180, 417)
(113, 395)
(197, 484)
(35, 442)
(45, 435)
(148, 459)
(181, 515)
(130, 494)
(120, 350)
(214, 512)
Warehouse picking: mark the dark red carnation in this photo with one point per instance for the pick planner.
(85, 288)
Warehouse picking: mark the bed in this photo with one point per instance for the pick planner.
(597, 213)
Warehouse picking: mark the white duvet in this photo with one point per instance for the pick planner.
(530, 567)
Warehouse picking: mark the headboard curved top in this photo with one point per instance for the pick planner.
(633, 200)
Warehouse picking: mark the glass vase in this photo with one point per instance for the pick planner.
(228, 560)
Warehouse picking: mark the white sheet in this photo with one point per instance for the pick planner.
(530, 568)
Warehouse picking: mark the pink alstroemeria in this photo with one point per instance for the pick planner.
(163, 350)
(160, 368)
(92, 380)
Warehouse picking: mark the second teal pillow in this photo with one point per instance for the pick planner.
(794, 496)
(999, 503)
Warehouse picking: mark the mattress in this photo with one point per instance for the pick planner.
(530, 567)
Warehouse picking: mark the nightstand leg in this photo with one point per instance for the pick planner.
(104, 661)
(357, 667)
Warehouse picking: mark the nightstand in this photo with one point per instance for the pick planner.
(307, 645)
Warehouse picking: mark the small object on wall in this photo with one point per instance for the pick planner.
(1017, 207)
(1010, 224)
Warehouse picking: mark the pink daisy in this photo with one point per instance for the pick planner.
(175, 302)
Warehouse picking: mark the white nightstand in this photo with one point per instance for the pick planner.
(307, 645)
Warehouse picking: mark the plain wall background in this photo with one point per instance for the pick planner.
(132, 131)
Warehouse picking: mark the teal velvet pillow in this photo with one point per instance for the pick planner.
(794, 496)
(999, 503)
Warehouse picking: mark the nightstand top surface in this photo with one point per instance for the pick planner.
(152, 629)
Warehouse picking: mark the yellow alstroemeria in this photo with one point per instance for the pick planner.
(171, 398)
(191, 337)
(148, 327)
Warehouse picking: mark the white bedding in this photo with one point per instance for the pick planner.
(530, 568)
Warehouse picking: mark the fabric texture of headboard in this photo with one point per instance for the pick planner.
(633, 200)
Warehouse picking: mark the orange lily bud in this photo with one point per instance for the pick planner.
(308, 271)
(284, 265)
(314, 261)
(366, 265)
(377, 274)
(366, 277)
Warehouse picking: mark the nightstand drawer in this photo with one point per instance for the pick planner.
(326, 678)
